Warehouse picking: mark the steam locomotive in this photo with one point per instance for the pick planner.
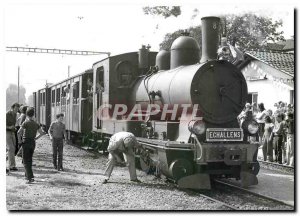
(182, 109)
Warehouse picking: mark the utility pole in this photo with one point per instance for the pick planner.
(18, 84)
(68, 71)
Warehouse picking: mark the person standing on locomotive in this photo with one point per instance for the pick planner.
(27, 138)
(246, 112)
(57, 133)
(11, 117)
(121, 142)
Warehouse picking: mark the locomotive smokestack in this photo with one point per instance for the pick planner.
(210, 38)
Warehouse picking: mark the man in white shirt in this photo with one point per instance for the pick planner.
(121, 142)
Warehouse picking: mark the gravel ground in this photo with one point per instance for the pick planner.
(79, 186)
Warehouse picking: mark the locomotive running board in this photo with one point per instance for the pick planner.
(196, 181)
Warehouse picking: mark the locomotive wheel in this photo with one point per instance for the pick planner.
(180, 168)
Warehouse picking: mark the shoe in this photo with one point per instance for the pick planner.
(55, 167)
(105, 181)
(60, 169)
(136, 180)
(13, 169)
(29, 181)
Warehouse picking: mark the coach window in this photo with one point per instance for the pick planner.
(53, 96)
(57, 96)
(75, 92)
(40, 98)
(44, 98)
(100, 80)
(67, 90)
(63, 95)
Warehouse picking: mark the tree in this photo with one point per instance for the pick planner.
(248, 31)
(12, 95)
(194, 32)
(164, 11)
(30, 100)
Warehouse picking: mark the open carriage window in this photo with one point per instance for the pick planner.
(75, 92)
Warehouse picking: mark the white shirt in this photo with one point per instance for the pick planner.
(260, 116)
(116, 142)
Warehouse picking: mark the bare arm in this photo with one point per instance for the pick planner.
(65, 134)
(50, 131)
(41, 133)
(19, 134)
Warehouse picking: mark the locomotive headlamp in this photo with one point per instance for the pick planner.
(197, 127)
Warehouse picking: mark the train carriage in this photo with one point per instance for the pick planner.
(42, 107)
(70, 97)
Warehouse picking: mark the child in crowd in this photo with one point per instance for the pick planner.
(27, 138)
(57, 133)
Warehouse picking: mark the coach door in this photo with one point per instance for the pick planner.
(53, 103)
(98, 96)
(75, 103)
(65, 103)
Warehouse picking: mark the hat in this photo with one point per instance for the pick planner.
(128, 141)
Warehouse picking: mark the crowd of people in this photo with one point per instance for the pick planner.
(21, 135)
(275, 135)
(275, 130)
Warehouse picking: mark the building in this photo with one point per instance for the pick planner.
(270, 77)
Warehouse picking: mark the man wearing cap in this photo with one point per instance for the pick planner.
(11, 118)
(121, 142)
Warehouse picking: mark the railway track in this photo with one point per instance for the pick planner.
(244, 199)
(276, 166)
(233, 198)
(223, 205)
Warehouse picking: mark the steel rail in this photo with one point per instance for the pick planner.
(222, 203)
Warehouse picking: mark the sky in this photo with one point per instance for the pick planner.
(107, 27)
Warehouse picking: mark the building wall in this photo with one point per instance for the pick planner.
(269, 92)
(265, 81)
